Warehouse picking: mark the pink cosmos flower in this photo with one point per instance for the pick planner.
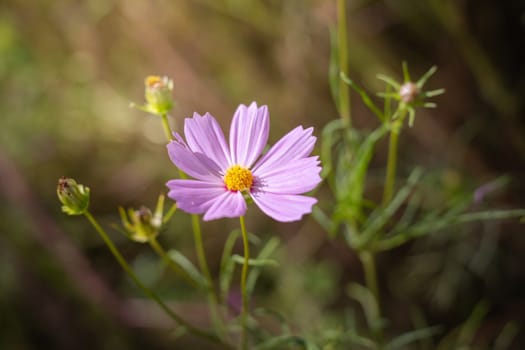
(224, 175)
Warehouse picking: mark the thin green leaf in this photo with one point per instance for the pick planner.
(267, 251)
(388, 102)
(227, 266)
(330, 139)
(351, 182)
(469, 328)
(411, 116)
(433, 93)
(368, 302)
(170, 213)
(410, 213)
(254, 262)
(278, 341)
(356, 179)
(380, 217)
(356, 339)
(323, 220)
(506, 336)
(364, 96)
(422, 81)
(403, 340)
(389, 81)
(429, 226)
(285, 328)
(188, 267)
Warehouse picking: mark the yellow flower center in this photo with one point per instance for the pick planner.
(152, 81)
(238, 178)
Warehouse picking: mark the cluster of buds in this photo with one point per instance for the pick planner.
(142, 225)
(410, 94)
(158, 94)
(73, 196)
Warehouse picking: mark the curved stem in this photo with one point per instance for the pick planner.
(199, 247)
(244, 275)
(203, 264)
(369, 266)
(148, 292)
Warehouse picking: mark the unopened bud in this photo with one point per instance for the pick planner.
(158, 94)
(409, 92)
(73, 196)
(141, 225)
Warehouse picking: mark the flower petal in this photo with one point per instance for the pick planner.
(194, 196)
(204, 135)
(294, 177)
(297, 144)
(248, 134)
(196, 165)
(283, 207)
(227, 205)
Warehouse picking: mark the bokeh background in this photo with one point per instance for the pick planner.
(69, 69)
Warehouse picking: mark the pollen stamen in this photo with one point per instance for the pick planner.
(238, 178)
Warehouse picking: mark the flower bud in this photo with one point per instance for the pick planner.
(141, 225)
(74, 197)
(158, 94)
(408, 92)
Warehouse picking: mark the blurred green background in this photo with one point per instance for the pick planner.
(69, 69)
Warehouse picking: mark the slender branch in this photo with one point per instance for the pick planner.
(391, 167)
(148, 292)
(369, 266)
(199, 247)
(244, 274)
(203, 264)
(344, 97)
(166, 127)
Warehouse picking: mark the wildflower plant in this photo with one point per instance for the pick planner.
(219, 178)
(224, 180)
(371, 227)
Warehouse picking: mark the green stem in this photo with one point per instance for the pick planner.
(169, 213)
(203, 264)
(149, 293)
(199, 247)
(344, 97)
(391, 166)
(176, 268)
(244, 275)
(369, 266)
(166, 126)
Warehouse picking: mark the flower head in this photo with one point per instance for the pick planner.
(411, 94)
(73, 196)
(225, 175)
(142, 225)
(158, 95)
